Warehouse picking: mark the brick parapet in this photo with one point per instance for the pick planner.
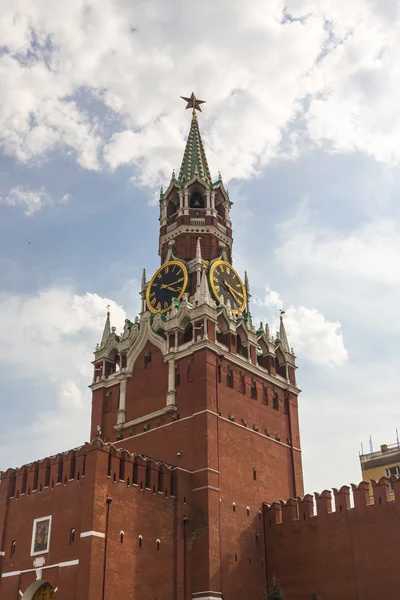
(356, 541)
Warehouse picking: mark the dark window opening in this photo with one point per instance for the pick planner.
(265, 394)
(219, 372)
(72, 467)
(196, 200)
(254, 474)
(35, 477)
(47, 475)
(60, 469)
(135, 471)
(177, 376)
(171, 209)
(236, 556)
(242, 350)
(147, 358)
(253, 390)
(121, 537)
(229, 378)
(24, 480)
(234, 507)
(122, 468)
(148, 475)
(140, 541)
(109, 465)
(188, 334)
(160, 481)
(72, 536)
(158, 545)
(242, 384)
(13, 547)
(275, 401)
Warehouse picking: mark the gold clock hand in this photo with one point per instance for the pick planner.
(234, 292)
(166, 285)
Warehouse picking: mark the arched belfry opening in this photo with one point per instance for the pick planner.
(197, 200)
(40, 590)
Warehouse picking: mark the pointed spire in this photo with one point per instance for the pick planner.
(194, 158)
(143, 280)
(107, 329)
(203, 295)
(198, 249)
(282, 334)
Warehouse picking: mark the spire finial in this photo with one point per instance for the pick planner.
(193, 103)
(108, 309)
(282, 333)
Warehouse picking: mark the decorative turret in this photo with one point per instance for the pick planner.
(193, 204)
(282, 334)
(107, 329)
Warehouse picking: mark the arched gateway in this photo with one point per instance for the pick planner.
(40, 590)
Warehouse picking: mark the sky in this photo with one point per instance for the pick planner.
(303, 121)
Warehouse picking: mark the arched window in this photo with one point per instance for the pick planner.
(248, 510)
(72, 536)
(233, 506)
(140, 541)
(121, 536)
(158, 545)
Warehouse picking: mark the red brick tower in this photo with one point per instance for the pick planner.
(192, 383)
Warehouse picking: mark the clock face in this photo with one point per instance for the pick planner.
(226, 282)
(168, 282)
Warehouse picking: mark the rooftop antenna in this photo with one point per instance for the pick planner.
(371, 448)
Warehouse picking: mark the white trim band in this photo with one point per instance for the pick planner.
(68, 563)
(2, 553)
(92, 534)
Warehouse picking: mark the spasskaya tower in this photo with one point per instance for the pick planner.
(192, 383)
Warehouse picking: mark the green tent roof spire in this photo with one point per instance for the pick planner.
(194, 158)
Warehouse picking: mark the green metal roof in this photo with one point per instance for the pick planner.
(194, 158)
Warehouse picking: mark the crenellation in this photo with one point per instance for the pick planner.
(361, 496)
(290, 511)
(306, 507)
(342, 499)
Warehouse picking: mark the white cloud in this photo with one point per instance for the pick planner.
(110, 83)
(31, 200)
(370, 252)
(313, 337)
(47, 339)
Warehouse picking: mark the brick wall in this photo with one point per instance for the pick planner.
(349, 553)
(144, 502)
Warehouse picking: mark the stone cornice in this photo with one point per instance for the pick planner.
(157, 413)
(210, 412)
(195, 229)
